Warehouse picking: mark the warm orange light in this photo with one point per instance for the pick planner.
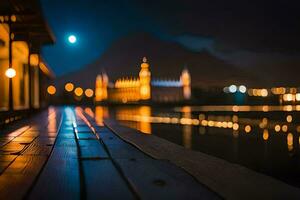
(266, 134)
(298, 96)
(10, 73)
(289, 97)
(51, 90)
(289, 118)
(69, 87)
(247, 128)
(13, 18)
(78, 91)
(290, 141)
(89, 93)
(264, 92)
(277, 128)
(235, 126)
(235, 108)
(284, 128)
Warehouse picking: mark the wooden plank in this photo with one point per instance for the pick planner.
(5, 140)
(21, 139)
(103, 181)
(30, 134)
(19, 176)
(162, 180)
(86, 136)
(40, 146)
(83, 129)
(92, 149)
(5, 161)
(12, 148)
(66, 135)
(109, 138)
(60, 178)
(124, 150)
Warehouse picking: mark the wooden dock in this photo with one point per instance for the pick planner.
(62, 153)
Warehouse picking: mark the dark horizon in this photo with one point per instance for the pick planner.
(255, 37)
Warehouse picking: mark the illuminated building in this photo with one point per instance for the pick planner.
(101, 87)
(143, 88)
(24, 76)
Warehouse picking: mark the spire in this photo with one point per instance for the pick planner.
(144, 59)
(144, 65)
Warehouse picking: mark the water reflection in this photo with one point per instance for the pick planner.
(141, 115)
(52, 122)
(266, 140)
(187, 128)
(244, 108)
(101, 113)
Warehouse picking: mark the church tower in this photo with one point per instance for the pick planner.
(185, 80)
(145, 80)
(101, 87)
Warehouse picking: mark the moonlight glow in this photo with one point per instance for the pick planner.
(72, 39)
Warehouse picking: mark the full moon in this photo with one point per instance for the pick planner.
(72, 39)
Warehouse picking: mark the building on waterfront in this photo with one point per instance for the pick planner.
(143, 87)
(24, 75)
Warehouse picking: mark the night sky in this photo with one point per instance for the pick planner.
(249, 34)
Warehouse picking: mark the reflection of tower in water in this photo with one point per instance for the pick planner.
(100, 114)
(187, 128)
(144, 124)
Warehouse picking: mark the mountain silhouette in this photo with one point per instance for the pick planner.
(167, 59)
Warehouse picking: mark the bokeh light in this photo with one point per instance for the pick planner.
(10, 73)
(89, 93)
(51, 90)
(69, 87)
(78, 91)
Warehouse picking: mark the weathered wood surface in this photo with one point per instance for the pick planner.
(103, 181)
(229, 180)
(23, 154)
(19, 176)
(82, 160)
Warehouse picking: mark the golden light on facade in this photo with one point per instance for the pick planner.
(235, 126)
(89, 93)
(290, 141)
(78, 91)
(284, 128)
(204, 123)
(101, 87)
(298, 96)
(266, 134)
(10, 73)
(277, 128)
(289, 97)
(69, 87)
(265, 108)
(278, 91)
(34, 59)
(235, 108)
(51, 90)
(264, 92)
(13, 18)
(145, 80)
(289, 118)
(247, 128)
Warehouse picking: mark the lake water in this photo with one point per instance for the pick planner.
(263, 138)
